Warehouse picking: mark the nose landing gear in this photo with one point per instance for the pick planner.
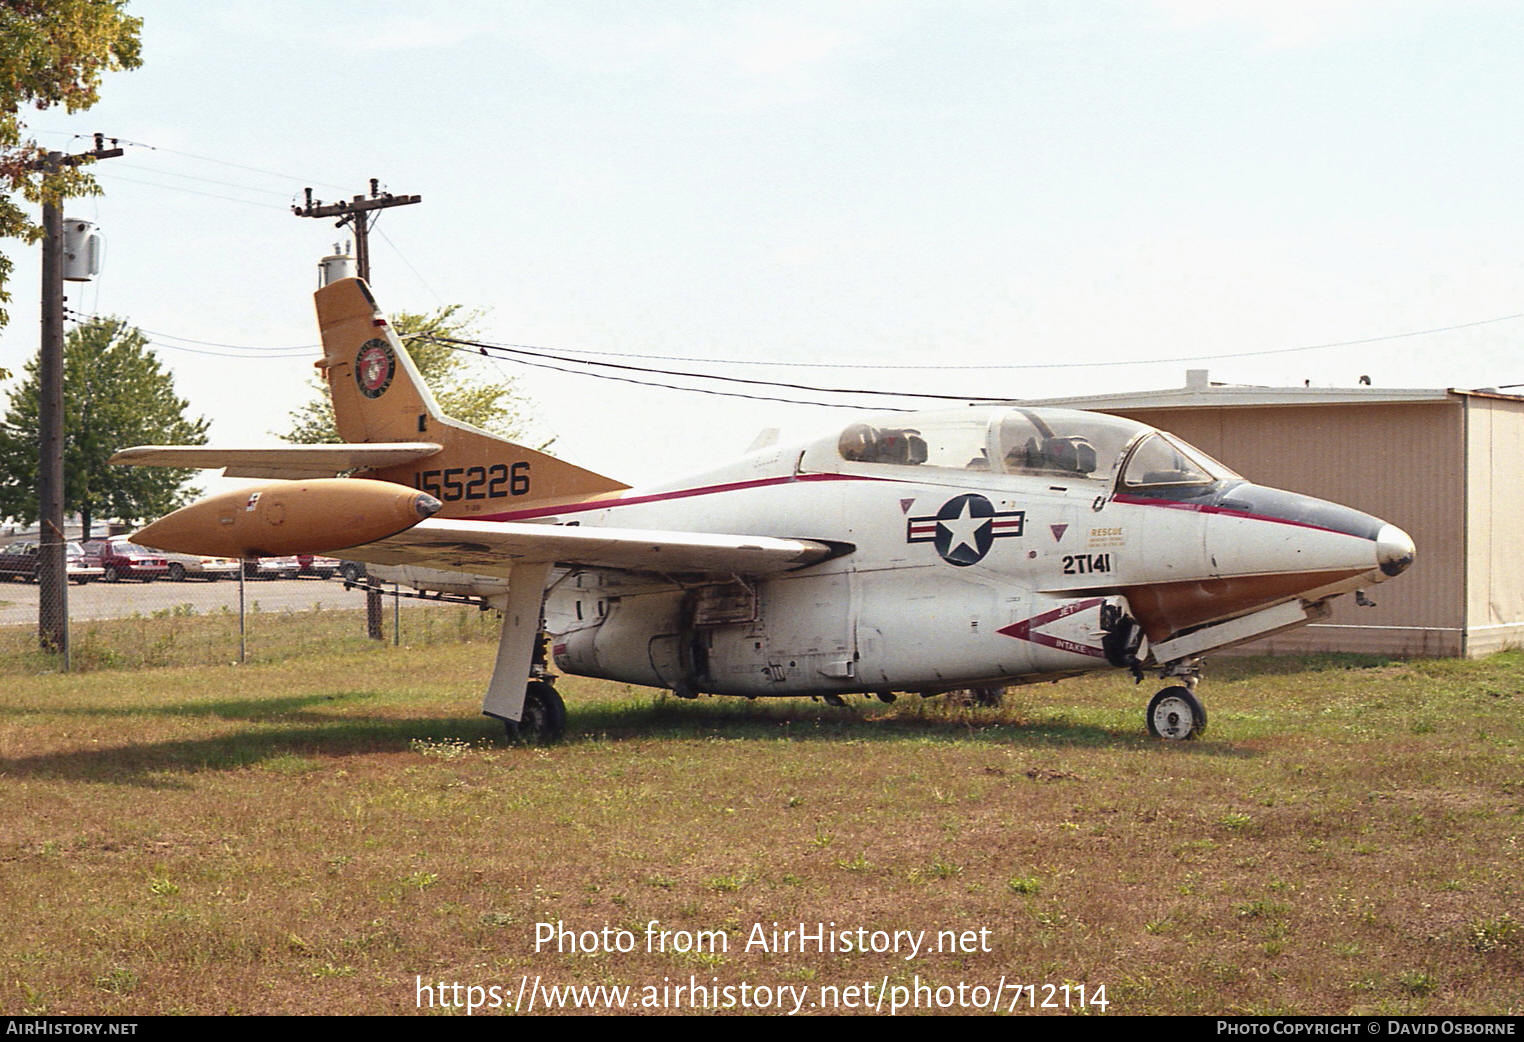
(1176, 714)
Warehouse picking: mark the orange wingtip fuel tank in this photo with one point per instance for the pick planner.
(290, 517)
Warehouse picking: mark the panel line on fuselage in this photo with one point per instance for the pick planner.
(1131, 499)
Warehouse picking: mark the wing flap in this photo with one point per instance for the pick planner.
(495, 548)
(283, 461)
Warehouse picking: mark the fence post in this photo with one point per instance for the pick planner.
(373, 610)
(242, 649)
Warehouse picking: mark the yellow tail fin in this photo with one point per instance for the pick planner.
(378, 396)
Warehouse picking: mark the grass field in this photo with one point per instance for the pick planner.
(322, 834)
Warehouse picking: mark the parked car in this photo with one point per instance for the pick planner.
(272, 568)
(120, 558)
(19, 561)
(199, 566)
(322, 567)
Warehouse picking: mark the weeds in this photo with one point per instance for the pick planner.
(314, 834)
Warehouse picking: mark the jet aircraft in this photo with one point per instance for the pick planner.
(909, 552)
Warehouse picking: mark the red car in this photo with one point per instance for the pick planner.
(19, 561)
(121, 559)
(322, 567)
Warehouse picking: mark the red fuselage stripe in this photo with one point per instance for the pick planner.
(737, 486)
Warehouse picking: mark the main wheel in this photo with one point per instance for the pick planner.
(987, 696)
(544, 719)
(1175, 713)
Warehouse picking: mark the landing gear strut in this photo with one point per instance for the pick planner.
(1176, 713)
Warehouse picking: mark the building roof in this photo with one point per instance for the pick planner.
(1200, 391)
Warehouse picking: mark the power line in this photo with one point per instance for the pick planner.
(542, 358)
(246, 351)
(519, 353)
(1018, 366)
(221, 162)
(191, 191)
(696, 390)
(403, 257)
(206, 180)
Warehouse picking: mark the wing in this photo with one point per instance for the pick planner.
(495, 548)
(285, 461)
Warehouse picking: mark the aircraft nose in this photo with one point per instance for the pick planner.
(1394, 550)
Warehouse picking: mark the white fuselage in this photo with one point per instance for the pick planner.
(950, 577)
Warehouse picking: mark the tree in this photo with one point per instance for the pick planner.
(492, 406)
(119, 395)
(52, 52)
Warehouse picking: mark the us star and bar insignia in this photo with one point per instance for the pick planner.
(965, 528)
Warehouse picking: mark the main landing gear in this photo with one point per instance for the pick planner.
(1176, 713)
(544, 720)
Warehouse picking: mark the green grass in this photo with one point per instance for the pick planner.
(317, 833)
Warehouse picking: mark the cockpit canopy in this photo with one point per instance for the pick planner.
(1059, 444)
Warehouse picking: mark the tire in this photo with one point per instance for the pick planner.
(176, 572)
(1175, 714)
(544, 719)
(987, 696)
(111, 575)
(350, 572)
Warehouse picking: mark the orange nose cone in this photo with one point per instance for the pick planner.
(290, 517)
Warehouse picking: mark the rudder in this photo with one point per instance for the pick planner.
(379, 396)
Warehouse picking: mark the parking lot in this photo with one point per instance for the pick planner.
(102, 600)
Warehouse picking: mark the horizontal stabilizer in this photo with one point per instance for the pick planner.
(495, 548)
(282, 461)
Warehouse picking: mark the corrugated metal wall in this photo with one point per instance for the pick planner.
(1495, 525)
(1399, 461)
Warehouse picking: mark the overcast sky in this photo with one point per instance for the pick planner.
(953, 184)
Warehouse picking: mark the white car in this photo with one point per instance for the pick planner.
(199, 566)
(272, 568)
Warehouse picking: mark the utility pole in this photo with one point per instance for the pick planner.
(360, 212)
(52, 551)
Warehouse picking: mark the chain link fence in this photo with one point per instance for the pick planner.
(136, 622)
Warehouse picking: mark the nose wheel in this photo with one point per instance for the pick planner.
(1176, 714)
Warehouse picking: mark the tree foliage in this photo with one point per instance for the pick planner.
(493, 406)
(52, 52)
(116, 395)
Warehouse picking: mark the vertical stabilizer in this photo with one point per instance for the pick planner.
(376, 390)
(378, 396)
